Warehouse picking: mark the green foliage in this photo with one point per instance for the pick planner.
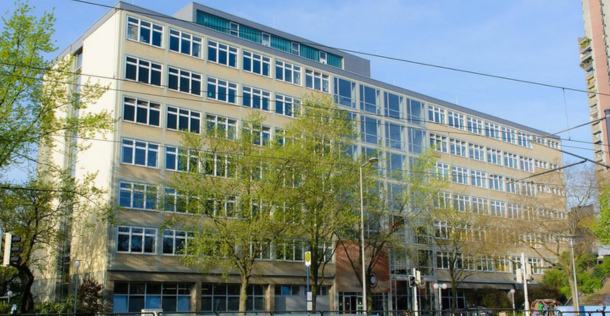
(601, 225)
(489, 297)
(90, 296)
(55, 307)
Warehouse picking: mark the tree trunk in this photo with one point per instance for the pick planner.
(27, 303)
(243, 293)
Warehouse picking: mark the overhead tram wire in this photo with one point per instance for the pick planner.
(369, 54)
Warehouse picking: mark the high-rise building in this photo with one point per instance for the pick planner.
(594, 61)
(205, 67)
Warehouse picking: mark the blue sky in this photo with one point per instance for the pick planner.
(534, 40)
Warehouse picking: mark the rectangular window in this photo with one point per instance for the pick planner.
(496, 182)
(475, 125)
(396, 166)
(222, 90)
(295, 48)
(477, 152)
(260, 134)
(135, 296)
(494, 156)
(287, 72)
(323, 58)
(478, 178)
(185, 43)
(225, 297)
(498, 208)
(524, 139)
(139, 153)
(456, 120)
(136, 240)
(438, 142)
(436, 114)
(512, 186)
(459, 175)
(218, 166)
(369, 99)
(257, 63)
(317, 81)
(480, 205)
(143, 71)
(144, 31)
(492, 130)
(234, 29)
(179, 159)
(526, 164)
(395, 136)
(461, 202)
(457, 147)
(417, 140)
(183, 120)
(265, 39)
(141, 111)
(514, 211)
(288, 106)
(393, 105)
(537, 265)
(175, 201)
(138, 196)
(256, 98)
(345, 92)
(415, 112)
(176, 242)
(222, 54)
(369, 129)
(442, 170)
(508, 135)
(184, 81)
(290, 251)
(510, 160)
(221, 126)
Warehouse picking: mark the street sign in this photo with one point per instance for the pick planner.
(308, 258)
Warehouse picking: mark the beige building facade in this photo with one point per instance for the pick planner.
(202, 68)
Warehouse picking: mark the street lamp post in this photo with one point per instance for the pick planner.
(77, 263)
(575, 300)
(512, 298)
(371, 160)
(440, 287)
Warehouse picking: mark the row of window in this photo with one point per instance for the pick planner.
(497, 264)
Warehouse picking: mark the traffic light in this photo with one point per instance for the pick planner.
(11, 249)
(412, 281)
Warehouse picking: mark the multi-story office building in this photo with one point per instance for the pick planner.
(204, 67)
(594, 60)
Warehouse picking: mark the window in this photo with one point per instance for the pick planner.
(222, 54)
(442, 170)
(144, 31)
(185, 43)
(221, 126)
(285, 105)
(287, 72)
(260, 134)
(492, 130)
(290, 251)
(138, 196)
(436, 114)
(234, 29)
(369, 99)
(510, 160)
(498, 208)
(393, 105)
(143, 71)
(184, 81)
(316, 80)
(179, 159)
(395, 136)
(369, 129)
(176, 242)
(512, 186)
(438, 142)
(441, 230)
(175, 201)
(459, 175)
(256, 98)
(475, 125)
(477, 152)
(478, 178)
(458, 147)
(295, 48)
(415, 112)
(524, 139)
(222, 90)
(135, 296)
(265, 39)
(514, 210)
(256, 63)
(225, 297)
(508, 135)
(141, 111)
(496, 182)
(183, 119)
(345, 92)
(136, 240)
(537, 265)
(139, 153)
(396, 166)
(480, 205)
(461, 202)
(494, 156)
(456, 120)
(526, 164)
(416, 140)
(218, 166)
